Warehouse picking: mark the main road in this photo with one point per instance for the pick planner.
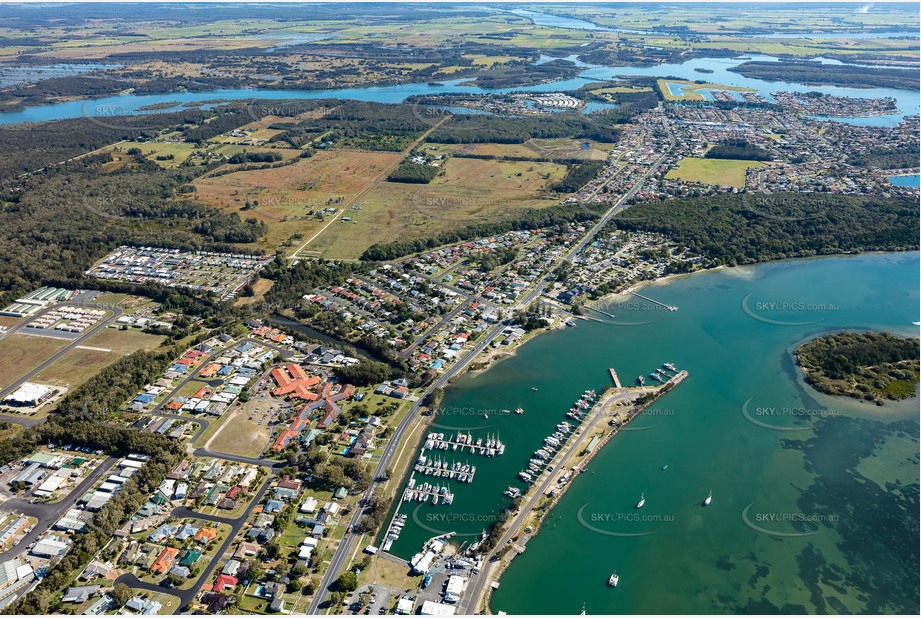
(345, 550)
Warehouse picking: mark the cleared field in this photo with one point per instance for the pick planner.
(180, 151)
(691, 89)
(20, 354)
(538, 149)
(239, 435)
(387, 573)
(621, 89)
(723, 172)
(9, 321)
(470, 190)
(123, 341)
(259, 289)
(80, 364)
(288, 195)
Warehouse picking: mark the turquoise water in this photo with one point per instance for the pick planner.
(851, 470)
(846, 479)
(906, 181)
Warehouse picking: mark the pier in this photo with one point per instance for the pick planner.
(491, 447)
(443, 469)
(661, 304)
(423, 491)
(610, 315)
(615, 378)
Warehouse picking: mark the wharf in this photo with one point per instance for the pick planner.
(652, 300)
(491, 447)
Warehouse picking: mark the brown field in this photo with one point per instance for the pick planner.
(123, 341)
(20, 354)
(9, 321)
(287, 194)
(259, 288)
(471, 190)
(79, 365)
(538, 149)
(240, 436)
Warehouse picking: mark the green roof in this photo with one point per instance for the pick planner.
(190, 558)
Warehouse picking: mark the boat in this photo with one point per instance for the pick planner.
(582, 613)
(506, 412)
(519, 410)
(485, 416)
(709, 499)
(612, 581)
(641, 380)
(533, 388)
(642, 501)
(665, 467)
(669, 366)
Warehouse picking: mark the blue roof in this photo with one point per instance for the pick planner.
(145, 397)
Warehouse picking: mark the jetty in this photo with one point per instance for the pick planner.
(421, 492)
(492, 446)
(463, 473)
(615, 378)
(652, 300)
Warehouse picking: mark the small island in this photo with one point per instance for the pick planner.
(870, 366)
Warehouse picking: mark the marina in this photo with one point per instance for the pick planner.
(543, 456)
(492, 446)
(708, 436)
(423, 492)
(435, 466)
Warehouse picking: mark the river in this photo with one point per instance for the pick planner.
(842, 474)
(127, 104)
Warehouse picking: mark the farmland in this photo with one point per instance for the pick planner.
(538, 149)
(285, 198)
(470, 190)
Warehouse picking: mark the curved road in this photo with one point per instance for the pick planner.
(186, 595)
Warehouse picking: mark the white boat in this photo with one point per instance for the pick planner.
(612, 581)
(533, 388)
(519, 410)
(485, 416)
(709, 499)
(665, 467)
(642, 501)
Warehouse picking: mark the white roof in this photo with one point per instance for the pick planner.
(456, 585)
(431, 608)
(29, 391)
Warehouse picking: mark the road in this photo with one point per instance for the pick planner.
(185, 596)
(478, 583)
(116, 313)
(48, 513)
(344, 550)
